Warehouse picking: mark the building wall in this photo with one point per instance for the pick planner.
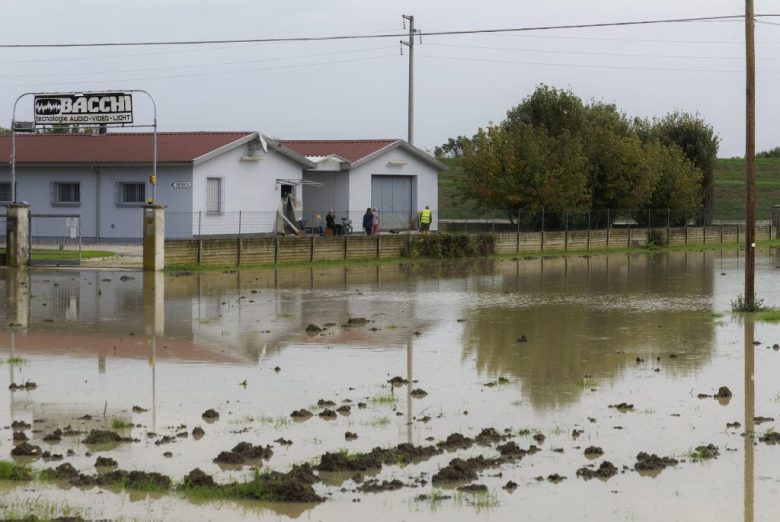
(426, 182)
(248, 186)
(98, 189)
(333, 194)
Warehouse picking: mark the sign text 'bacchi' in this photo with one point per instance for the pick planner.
(83, 109)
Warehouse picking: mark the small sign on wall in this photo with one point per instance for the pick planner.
(181, 184)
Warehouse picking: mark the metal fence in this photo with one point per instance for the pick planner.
(186, 225)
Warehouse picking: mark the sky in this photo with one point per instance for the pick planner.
(358, 89)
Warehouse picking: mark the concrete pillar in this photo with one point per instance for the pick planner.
(154, 237)
(17, 235)
(17, 293)
(154, 303)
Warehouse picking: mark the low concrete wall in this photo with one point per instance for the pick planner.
(315, 248)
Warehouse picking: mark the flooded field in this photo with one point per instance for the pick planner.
(569, 389)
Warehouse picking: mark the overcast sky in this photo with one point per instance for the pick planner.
(358, 88)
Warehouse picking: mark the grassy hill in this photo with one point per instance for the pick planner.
(729, 189)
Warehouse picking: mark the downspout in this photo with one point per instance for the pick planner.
(97, 203)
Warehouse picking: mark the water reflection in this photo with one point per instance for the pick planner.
(593, 317)
(750, 412)
(583, 316)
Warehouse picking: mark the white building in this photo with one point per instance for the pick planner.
(211, 182)
(390, 175)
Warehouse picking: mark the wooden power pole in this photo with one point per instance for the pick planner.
(750, 155)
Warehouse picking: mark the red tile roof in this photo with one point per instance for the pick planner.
(172, 147)
(350, 150)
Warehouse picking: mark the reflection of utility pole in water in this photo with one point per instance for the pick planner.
(154, 325)
(410, 378)
(750, 409)
(17, 291)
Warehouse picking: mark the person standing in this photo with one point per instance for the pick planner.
(426, 216)
(375, 222)
(330, 223)
(368, 221)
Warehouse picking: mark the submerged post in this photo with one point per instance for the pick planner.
(154, 237)
(18, 235)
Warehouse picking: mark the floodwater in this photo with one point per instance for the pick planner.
(648, 330)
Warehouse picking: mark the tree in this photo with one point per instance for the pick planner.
(697, 140)
(524, 167)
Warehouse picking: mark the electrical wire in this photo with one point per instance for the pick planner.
(386, 35)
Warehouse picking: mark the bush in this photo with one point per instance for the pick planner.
(448, 245)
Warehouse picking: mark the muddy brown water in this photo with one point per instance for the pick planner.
(599, 331)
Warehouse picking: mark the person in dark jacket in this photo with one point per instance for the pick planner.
(330, 222)
(368, 221)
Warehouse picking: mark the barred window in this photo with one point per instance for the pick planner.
(66, 194)
(5, 192)
(132, 193)
(214, 195)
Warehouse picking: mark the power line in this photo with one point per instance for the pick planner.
(385, 35)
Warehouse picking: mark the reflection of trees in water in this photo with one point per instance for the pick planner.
(592, 336)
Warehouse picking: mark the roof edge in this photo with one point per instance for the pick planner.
(288, 152)
(404, 145)
(225, 148)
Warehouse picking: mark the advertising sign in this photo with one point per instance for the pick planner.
(83, 109)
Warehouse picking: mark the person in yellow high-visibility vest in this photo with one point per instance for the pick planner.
(425, 219)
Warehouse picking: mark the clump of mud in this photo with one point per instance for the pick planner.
(350, 436)
(488, 436)
(328, 414)
(357, 321)
(344, 409)
(593, 451)
(473, 488)
(243, 452)
(293, 486)
(198, 479)
(210, 415)
(325, 403)
(313, 329)
(708, 452)
(197, 432)
(19, 436)
(418, 393)
(761, 420)
(653, 463)
(301, 414)
(605, 471)
(555, 478)
(25, 449)
(398, 381)
(20, 425)
(54, 436)
(341, 461)
(723, 393)
(622, 407)
(456, 441)
(374, 486)
(459, 470)
(106, 437)
(26, 386)
(771, 438)
(138, 409)
(511, 451)
(105, 462)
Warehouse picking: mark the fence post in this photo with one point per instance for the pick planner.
(588, 240)
(240, 213)
(609, 222)
(649, 226)
(276, 250)
(668, 227)
(346, 246)
(311, 252)
(686, 226)
(200, 219)
(566, 230)
(378, 245)
(239, 244)
(517, 243)
(703, 229)
(542, 238)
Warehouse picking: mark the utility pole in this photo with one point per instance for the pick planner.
(410, 45)
(750, 155)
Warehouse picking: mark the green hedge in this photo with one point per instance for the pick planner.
(445, 245)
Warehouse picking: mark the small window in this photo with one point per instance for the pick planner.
(5, 192)
(214, 195)
(131, 193)
(66, 194)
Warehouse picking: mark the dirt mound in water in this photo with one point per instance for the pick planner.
(313, 329)
(771, 438)
(25, 449)
(345, 462)
(293, 486)
(374, 486)
(511, 451)
(418, 393)
(197, 478)
(106, 437)
(723, 393)
(105, 462)
(328, 414)
(325, 403)
(459, 470)
(456, 441)
(653, 463)
(357, 321)
(488, 436)
(474, 488)
(210, 415)
(398, 381)
(605, 471)
(301, 414)
(708, 452)
(243, 452)
(593, 451)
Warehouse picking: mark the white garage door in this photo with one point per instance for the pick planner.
(393, 197)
